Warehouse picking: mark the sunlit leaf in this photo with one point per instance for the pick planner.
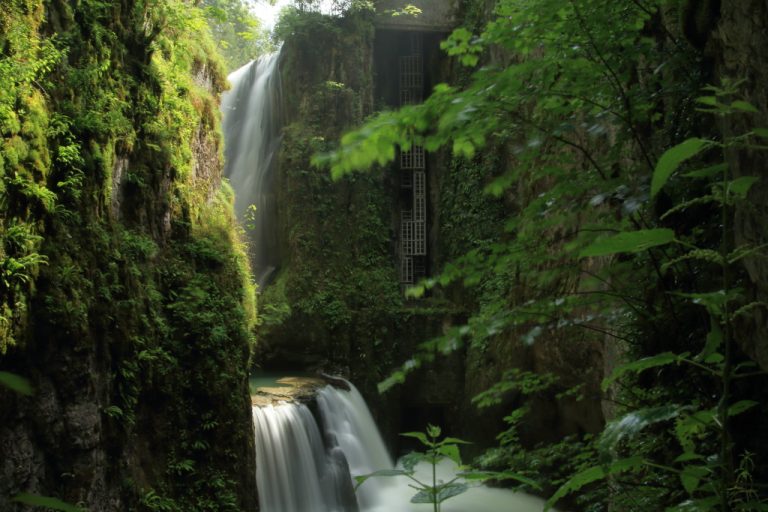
(632, 423)
(671, 160)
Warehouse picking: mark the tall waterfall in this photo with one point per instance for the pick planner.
(252, 122)
(305, 463)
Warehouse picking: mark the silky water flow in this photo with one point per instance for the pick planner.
(307, 463)
(251, 123)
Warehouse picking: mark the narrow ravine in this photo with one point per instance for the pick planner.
(307, 463)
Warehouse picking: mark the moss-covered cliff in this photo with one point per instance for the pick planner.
(125, 294)
(335, 298)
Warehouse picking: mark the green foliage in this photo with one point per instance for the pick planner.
(594, 474)
(707, 478)
(113, 228)
(236, 30)
(45, 502)
(630, 241)
(671, 160)
(433, 492)
(16, 382)
(575, 98)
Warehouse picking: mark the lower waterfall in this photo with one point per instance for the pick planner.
(306, 464)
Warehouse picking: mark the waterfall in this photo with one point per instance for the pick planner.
(251, 123)
(305, 463)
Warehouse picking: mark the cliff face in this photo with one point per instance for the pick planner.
(333, 302)
(739, 46)
(126, 298)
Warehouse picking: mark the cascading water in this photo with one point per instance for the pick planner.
(251, 123)
(306, 465)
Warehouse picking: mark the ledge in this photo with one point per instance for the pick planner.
(294, 389)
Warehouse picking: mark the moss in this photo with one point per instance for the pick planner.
(140, 289)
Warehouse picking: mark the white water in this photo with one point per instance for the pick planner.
(251, 124)
(303, 467)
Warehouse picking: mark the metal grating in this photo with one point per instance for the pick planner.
(419, 238)
(411, 80)
(406, 269)
(413, 236)
(406, 233)
(419, 196)
(411, 72)
(413, 158)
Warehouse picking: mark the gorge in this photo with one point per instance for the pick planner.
(524, 235)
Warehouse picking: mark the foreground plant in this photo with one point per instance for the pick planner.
(436, 491)
(712, 472)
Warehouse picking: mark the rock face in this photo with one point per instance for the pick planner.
(133, 320)
(739, 41)
(333, 304)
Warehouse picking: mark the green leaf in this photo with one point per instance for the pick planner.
(688, 427)
(714, 358)
(397, 377)
(761, 132)
(593, 474)
(671, 160)
(691, 477)
(704, 504)
(707, 172)
(440, 493)
(113, 411)
(740, 186)
(744, 106)
(45, 501)
(454, 440)
(421, 436)
(630, 241)
(688, 456)
(713, 301)
(741, 406)
(16, 382)
(632, 423)
(714, 340)
(499, 475)
(409, 460)
(451, 451)
(708, 100)
(361, 479)
(433, 431)
(641, 365)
